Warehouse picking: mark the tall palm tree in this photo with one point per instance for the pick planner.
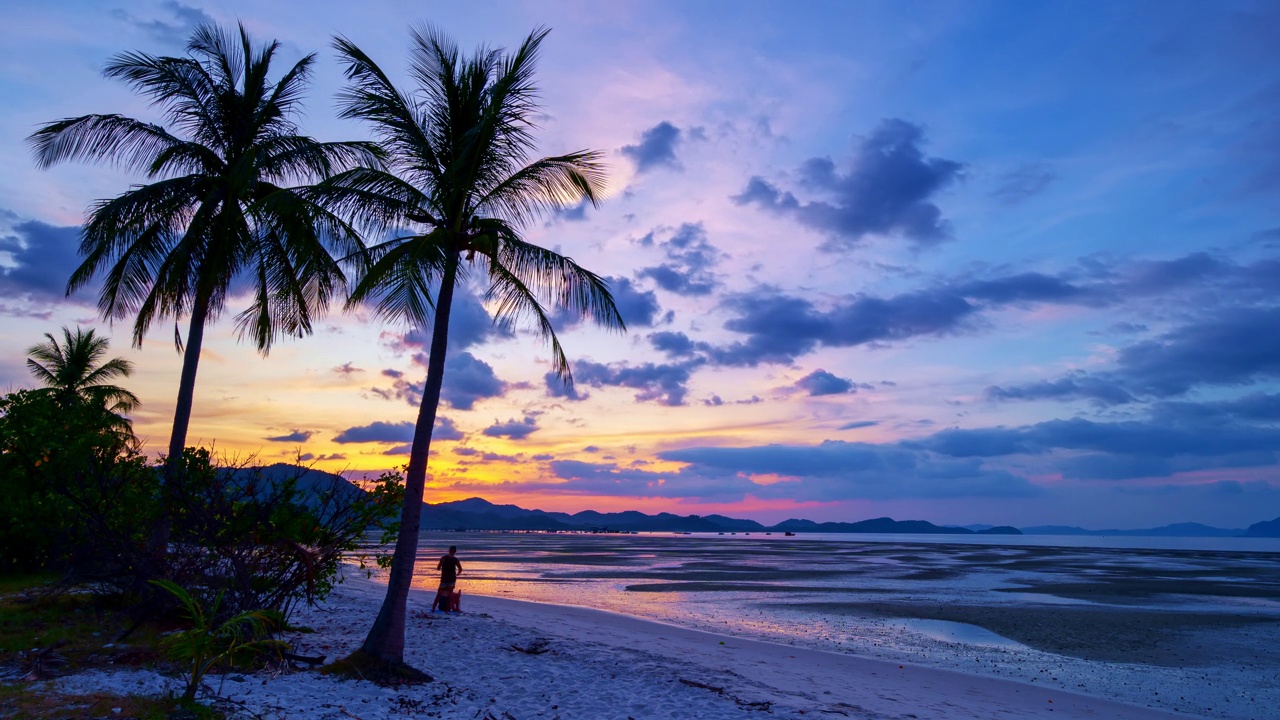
(458, 150)
(219, 208)
(73, 371)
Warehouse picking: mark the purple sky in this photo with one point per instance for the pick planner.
(966, 262)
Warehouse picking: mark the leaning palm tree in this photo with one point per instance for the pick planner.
(219, 208)
(458, 149)
(73, 371)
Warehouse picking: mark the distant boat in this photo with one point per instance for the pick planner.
(721, 533)
(789, 534)
(768, 533)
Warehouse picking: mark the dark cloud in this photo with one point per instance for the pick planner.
(377, 431)
(690, 261)
(468, 380)
(666, 384)
(445, 430)
(608, 478)
(1023, 183)
(514, 429)
(41, 260)
(639, 308)
(674, 344)
(383, 432)
(1148, 438)
(1028, 288)
(297, 436)
(177, 24)
(781, 328)
(1078, 386)
(837, 470)
(1230, 347)
(858, 424)
(821, 382)
(657, 148)
(887, 191)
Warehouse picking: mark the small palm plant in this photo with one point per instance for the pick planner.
(210, 642)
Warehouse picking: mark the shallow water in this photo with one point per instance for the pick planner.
(1186, 629)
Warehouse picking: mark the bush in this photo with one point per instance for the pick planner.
(268, 537)
(78, 498)
(75, 493)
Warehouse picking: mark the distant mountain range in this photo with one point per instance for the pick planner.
(479, 514)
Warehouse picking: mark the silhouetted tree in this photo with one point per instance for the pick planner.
(218, 206)
(458, 149)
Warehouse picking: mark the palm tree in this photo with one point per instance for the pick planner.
(73, 371)
(457, 149)
(219, 209)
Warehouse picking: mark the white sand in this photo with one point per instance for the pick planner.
(602, 665)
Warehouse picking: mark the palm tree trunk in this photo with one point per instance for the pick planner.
(386, 637)
(159, 540)
(187, 384)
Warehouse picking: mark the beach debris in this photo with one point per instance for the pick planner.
(317, 660)
(704, 686)
(40, 663)
(537, 647)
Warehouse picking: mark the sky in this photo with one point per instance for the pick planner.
(965, 262)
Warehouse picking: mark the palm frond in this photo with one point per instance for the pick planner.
(115, 139)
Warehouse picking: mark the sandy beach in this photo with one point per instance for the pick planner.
(600, 665)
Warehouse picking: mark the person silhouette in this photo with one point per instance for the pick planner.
(446, 597)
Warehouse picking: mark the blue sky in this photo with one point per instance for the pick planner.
(995, 262)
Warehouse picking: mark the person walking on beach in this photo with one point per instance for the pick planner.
(450, 568)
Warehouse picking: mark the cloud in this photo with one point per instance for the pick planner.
(377, 431)
(821, 382)
(468, 380)
(1029, 288)
(657, 148)
(781, 327)
(690, 261)
(1075, 386)
(40, 261)
(469, 325)
(1023, 183)
(1134, 438)
(838, 470)
(181, 20)
(675, 344)
(514, 429)
(1225, 347)
(296, 436)
(347, 369)
(638, 308)
(1230, 347)
(445, 430)
(858, 424)
(584, 478)
(888, 191)
(663, 383)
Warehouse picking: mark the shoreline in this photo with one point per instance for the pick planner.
(603, 664)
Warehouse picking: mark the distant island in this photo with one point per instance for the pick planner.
(480, 514)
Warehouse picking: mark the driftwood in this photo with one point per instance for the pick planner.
(704, 686)
(318, 660)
